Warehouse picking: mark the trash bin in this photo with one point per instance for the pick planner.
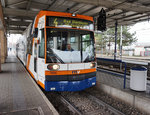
(138, 78)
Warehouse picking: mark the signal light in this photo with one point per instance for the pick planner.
(101, 20)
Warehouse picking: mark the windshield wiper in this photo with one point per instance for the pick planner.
(56, 56)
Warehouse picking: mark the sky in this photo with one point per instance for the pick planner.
(142, 30)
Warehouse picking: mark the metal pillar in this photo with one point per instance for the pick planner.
(102, 47)
(115, 51)
(121, 47)
(121, 43)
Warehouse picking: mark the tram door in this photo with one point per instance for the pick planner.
(35, 57)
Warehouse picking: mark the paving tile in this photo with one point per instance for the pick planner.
(17, 91)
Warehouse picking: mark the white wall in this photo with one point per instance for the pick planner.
(138, 49)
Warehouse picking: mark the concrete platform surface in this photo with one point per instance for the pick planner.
(113, 85)
(19, 94)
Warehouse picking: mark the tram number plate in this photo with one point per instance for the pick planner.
(75, 72)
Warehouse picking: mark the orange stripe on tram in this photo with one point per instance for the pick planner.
(70, 72)
(30, 73)
(41, 84)
(28, 62)
(62, 14)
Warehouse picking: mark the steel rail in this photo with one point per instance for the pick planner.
(71, 107)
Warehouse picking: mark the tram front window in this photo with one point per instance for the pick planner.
(69, 46)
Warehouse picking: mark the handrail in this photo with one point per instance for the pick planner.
(118, 61)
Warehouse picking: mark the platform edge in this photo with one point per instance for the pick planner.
(51, 107)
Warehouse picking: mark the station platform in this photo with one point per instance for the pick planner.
(113, 85)
(19, 94)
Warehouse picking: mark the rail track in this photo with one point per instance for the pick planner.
(112, 70)
(91, 101)
(83, 103)
(115, 72)
(117, 67)
(70, 106)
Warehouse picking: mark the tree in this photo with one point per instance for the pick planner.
(127, 37)
(108, 37)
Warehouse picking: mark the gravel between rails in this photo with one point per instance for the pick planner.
(89, 105)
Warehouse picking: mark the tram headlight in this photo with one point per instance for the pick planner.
(53, 67)
(92, 65)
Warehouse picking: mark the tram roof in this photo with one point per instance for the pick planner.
(19, 13)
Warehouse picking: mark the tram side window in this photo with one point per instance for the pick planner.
(42, 44)
(29, 45)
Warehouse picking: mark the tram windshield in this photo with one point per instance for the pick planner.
(69, 46)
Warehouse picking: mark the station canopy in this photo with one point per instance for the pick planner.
(18, 14)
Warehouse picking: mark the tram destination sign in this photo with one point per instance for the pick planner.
(69, 23)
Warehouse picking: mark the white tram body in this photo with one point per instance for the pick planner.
(58, 51)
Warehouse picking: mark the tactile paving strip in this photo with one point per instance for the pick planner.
(32, 111)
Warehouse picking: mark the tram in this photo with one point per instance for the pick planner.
(58, 51)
